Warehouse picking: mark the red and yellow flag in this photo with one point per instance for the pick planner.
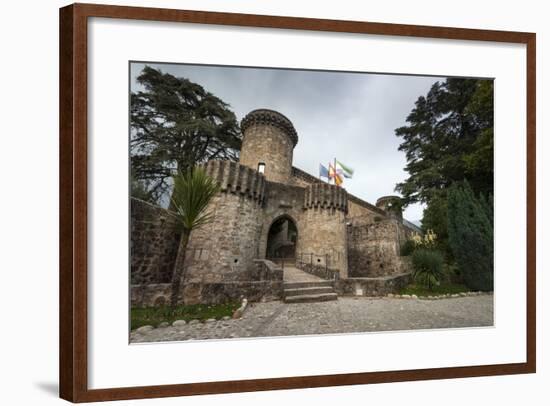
(333, 174)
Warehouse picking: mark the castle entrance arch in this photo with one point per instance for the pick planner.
(281, 239)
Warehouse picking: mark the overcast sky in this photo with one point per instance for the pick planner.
(348, 116)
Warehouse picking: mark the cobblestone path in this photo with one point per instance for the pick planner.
(345, 315)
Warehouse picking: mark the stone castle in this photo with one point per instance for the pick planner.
(270, 219)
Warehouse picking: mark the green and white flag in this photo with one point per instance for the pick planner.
(345, 170)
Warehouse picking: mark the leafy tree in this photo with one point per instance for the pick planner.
(176, 124)
(471, 236)
(193, 191)
(448, 138)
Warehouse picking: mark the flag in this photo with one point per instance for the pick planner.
(331, 171)
(343, 169)
(338, 180)
(323, 171)
(333, 174)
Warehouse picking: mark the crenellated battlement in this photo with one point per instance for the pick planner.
(272, 118)
(324, 195)
(391, 205)
(236, 178)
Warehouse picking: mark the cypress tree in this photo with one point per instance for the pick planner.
(471, 236)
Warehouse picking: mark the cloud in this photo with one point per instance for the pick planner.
(349, 116)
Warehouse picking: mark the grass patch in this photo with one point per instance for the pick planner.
(443, 289)
(153, 316)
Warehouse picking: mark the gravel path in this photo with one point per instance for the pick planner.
(345, 315)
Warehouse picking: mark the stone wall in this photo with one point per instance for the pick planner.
(154, 241)
(358, 208)
(373, 248)
(266, 284)
(302, 178)
(380, 286)
(269, 138)
(155, 294)
(224, 249)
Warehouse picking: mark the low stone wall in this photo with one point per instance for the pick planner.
(266, 285)
(321, 265)
(207, 293)
(380, 286)
(217, 293)
(157, 294)
(319, 270)
(267, 271)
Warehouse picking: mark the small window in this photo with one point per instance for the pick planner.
(261, 167)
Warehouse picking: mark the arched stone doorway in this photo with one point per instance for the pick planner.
(281, 238)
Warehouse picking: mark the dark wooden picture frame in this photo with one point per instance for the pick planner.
(74, 200)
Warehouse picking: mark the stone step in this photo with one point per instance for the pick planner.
(308, 291)
(298, 285)
(322, 297)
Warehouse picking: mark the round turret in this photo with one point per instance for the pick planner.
(224, 249)
(324, 227)
(391, 205)
(269, 139)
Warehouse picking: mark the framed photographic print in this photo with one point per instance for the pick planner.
(255, 202)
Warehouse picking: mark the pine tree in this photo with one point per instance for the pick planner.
(471, 236)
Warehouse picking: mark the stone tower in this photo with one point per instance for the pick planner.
(387, 203)
(325, 227)
(268, 144)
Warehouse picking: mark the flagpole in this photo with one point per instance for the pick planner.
(335, 172)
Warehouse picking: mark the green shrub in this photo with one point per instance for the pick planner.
(471, 236)
(435, 218)
(427, 267)
(407, 248)
(452, 273)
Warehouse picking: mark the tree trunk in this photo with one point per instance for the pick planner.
(178, 274)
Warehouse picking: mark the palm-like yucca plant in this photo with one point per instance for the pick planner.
(427, 267)
(193, 191)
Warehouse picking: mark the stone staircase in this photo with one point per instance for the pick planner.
(310, 291)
